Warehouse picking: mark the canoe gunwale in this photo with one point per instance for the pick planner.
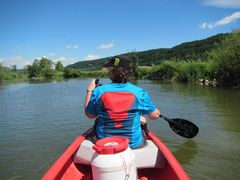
(57, 170)
(64, 161)
(171, 160)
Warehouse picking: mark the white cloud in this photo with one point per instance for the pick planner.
(91, 57)
(21, 62)
(65, 60)
(106, 46)
(223, 3)
(221, 22)
(72, 46)
(16, 60)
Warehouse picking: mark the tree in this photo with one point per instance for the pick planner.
(40, 67)
(59, 66)
(46, 67)
(14, 68)
(34, 69)
(1, 72)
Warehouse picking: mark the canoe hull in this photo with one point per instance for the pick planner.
(64, 168)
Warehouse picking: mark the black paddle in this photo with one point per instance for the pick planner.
(182, 127)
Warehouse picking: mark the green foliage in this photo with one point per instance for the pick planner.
(59, 66)
(34, 70)
(166, 70)
(227, 58)
(71, 73)
(46, 67)
(183, 71)
(94, 74)
(41, 68)
(216, 58)
(194, 70)
(221, 65)
(143, 72)
(7, 74)
(89, 65)
(76, 73)
(1, 73)
(195, 50)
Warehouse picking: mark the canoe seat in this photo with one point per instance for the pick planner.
(149, 156)
(84, 153)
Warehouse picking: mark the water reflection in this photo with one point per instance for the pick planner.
(186, 152)
(222, 103)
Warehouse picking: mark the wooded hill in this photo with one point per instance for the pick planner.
(195, 50)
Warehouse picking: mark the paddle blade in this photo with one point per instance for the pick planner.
(184, 127)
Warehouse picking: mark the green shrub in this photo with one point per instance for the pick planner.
(76, 73)
(165, 71)
(192, 71)
(227, 59)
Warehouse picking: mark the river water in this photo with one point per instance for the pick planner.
(39, 120)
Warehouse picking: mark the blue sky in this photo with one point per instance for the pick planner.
(75, 30)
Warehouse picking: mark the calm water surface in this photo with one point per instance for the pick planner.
(39, 120)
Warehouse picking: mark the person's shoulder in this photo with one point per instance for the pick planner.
(135, 86)
(103, 88)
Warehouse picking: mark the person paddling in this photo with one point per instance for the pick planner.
(119, 106)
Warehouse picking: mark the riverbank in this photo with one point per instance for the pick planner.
(198, 73)
(219, 67)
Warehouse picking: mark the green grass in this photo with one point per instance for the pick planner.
(182, 71)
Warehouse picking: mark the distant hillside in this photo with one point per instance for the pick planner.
(89, 65)
(195, 50)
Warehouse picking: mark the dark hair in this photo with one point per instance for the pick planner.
(119, 61)
(120, 74)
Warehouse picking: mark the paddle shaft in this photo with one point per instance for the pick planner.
(167, 119)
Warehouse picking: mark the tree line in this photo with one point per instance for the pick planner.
(221, 66)
(218, 64)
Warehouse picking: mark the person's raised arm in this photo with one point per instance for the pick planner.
(90, 88)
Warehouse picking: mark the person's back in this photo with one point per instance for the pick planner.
(118, 106)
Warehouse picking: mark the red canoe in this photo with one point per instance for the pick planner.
(166, 168)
